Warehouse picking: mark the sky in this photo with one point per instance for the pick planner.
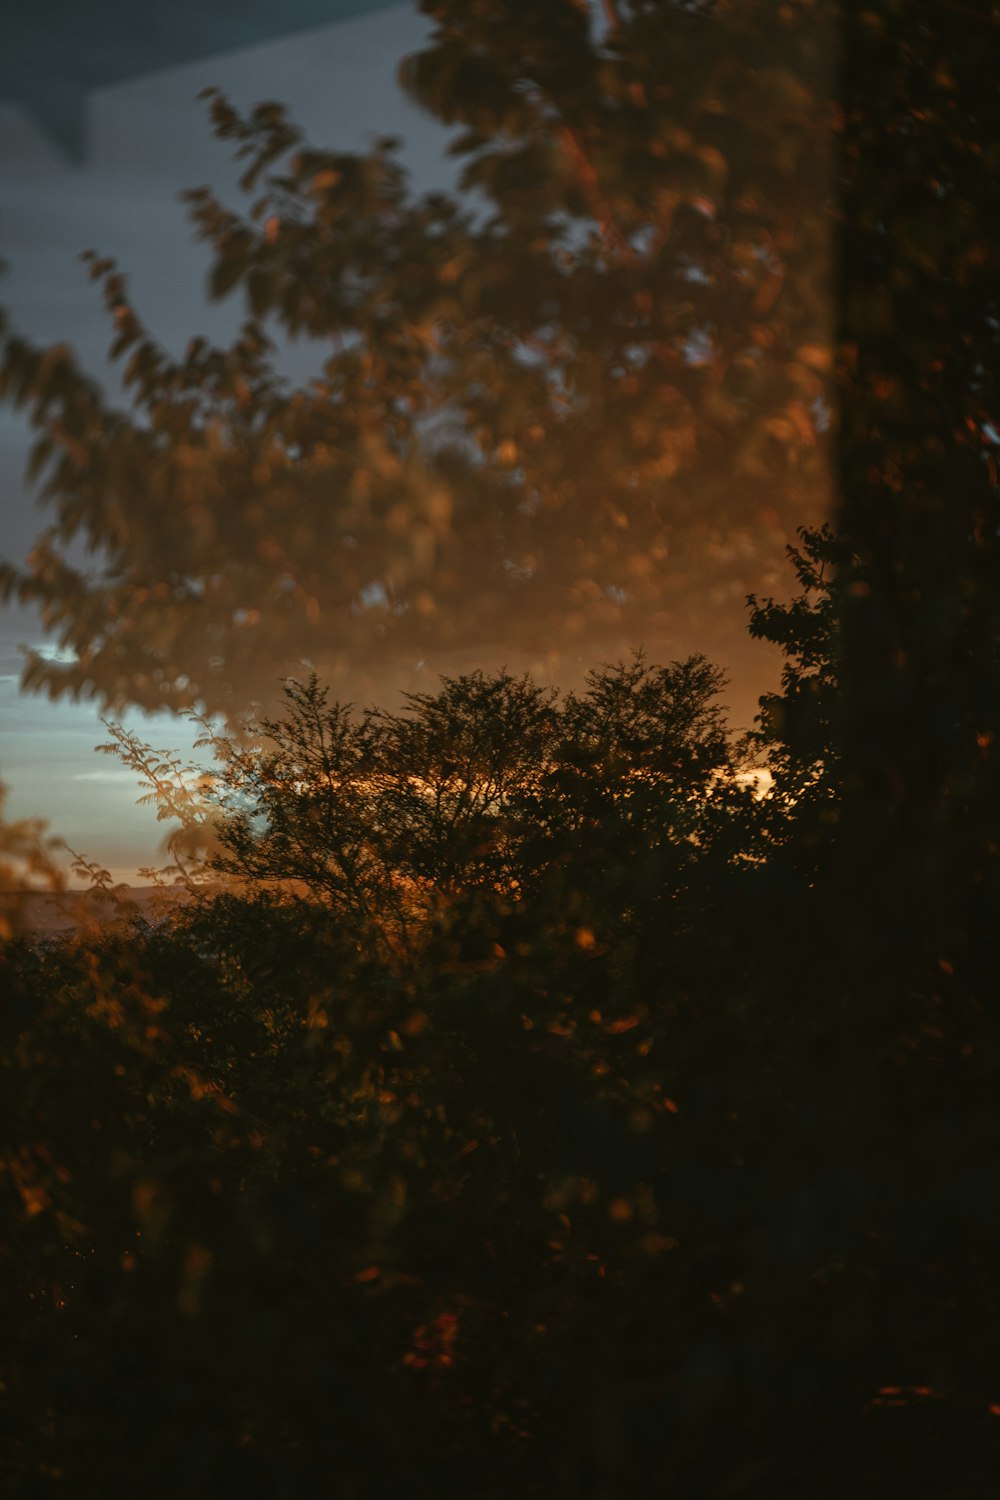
(103, 171)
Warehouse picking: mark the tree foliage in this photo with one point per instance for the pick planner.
(27, 860)
(492, 789)
(800, 729)
(544, 1112)
(509, 1127)
(919, 337)
(578, 397)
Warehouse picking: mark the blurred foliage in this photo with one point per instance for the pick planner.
(581, 400)
(27, 861)
(919, 371)
(912, 880)
(511, 1129)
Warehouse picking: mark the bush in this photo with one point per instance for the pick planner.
(496, 1134)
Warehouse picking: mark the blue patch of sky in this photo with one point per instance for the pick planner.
(699, 347)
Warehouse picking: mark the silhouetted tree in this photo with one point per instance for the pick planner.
(919, 339)
(603, 1147)
(489, 789)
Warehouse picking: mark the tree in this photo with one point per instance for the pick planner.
(613, 1129)
(620, 1156)
(800, 730)
(585, 398)
(26, 862)
(489, 794)
(918, 367)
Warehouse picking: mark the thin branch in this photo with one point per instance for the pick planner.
(592, 188)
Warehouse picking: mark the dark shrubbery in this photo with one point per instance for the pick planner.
(514, 1127)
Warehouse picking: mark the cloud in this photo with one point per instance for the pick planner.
(113, 774)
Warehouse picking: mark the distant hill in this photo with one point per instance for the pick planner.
(49, 913)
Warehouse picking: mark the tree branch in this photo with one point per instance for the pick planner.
(592, 188)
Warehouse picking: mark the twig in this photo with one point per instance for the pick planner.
(592, 188)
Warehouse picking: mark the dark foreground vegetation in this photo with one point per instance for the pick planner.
(517, 1120)
(534, 1110)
